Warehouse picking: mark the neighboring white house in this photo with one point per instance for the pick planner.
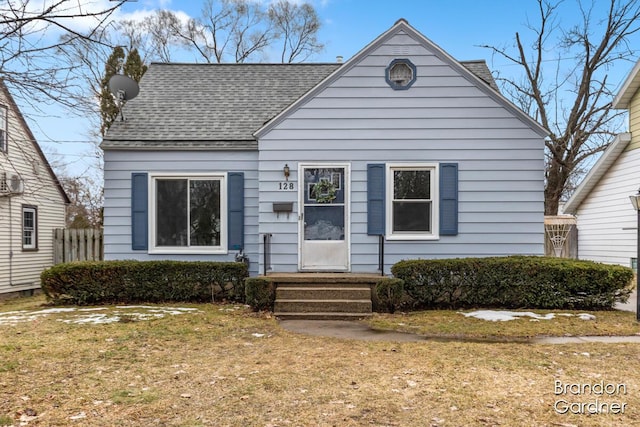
(32, 203)
(606, 219)
(303, 167)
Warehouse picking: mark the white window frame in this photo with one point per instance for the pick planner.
(434, 234)
(34, 231)
(224, 223)
(4, 125)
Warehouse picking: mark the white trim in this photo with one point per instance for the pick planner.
(34, 230)
(347, 207)
(435, 201)
(628, 89)
(222, 249)
(597, 171)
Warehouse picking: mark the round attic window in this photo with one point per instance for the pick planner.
(400, 74)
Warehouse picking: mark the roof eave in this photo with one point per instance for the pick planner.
(32, 138)
(596, 173)
(628, 89)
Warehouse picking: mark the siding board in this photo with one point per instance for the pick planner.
(118, 168)
(21, 271)
(606, 220)
(442, 118)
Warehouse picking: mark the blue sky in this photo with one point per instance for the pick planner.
(457, 26)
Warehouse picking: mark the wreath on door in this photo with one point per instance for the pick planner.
(325, 191)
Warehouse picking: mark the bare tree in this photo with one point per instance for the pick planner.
(297, 28)
(156, 35)
(85, 191)
(86, 196)
(228, 30)
(234, 31)
(573, 103)
(31, 35)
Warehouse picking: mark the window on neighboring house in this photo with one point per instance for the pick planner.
(188, 214)
(3, 128)
(29, 227)
(412, 194)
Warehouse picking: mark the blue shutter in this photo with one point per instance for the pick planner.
(235, 210)
(448, 199)
(139, 211)
(376, 199)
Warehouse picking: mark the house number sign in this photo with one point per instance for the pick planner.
(286, 186)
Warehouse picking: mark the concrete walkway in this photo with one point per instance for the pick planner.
(630, 305)
(349, 329)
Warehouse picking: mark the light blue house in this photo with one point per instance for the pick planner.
(302, 167)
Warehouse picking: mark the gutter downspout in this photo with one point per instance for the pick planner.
(10, 244)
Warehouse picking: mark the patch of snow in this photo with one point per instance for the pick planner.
(257, 335)
(87, 315)
(94, 319)
(586, 316)
(9, 313)
(80, 416)
(134, 306)
(54, 310)
(505, 316)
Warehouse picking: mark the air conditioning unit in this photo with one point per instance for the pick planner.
(16, 184)
(11, 184)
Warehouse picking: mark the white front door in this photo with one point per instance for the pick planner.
(324, 217)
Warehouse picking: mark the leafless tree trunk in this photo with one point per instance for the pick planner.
(573, 103)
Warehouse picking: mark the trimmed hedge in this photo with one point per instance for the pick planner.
(513, 282)
(390, 293)
(110, 282)
(260, 293)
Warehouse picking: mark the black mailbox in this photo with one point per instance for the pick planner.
(283, 207)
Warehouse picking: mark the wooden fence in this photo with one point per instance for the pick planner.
(77, 245)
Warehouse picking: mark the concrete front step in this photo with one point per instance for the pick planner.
(323, 295)
(323, 306)
(322, 316)
(323, 292)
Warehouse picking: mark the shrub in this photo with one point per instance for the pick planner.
(260, 293)
(109, 282)
(513, 282)
(390, 293)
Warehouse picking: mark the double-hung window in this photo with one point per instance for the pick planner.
(188, 214)
(29, 228)
(412, 195)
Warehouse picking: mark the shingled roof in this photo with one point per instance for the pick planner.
(217, 106)
(211, 105)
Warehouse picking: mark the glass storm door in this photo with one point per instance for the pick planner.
(324, 226)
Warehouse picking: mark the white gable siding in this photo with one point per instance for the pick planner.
(443, 117)
(607, 223)
(117, 194)
(20, 269)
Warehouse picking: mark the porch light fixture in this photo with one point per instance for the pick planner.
(635, 201)
(286, 172)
